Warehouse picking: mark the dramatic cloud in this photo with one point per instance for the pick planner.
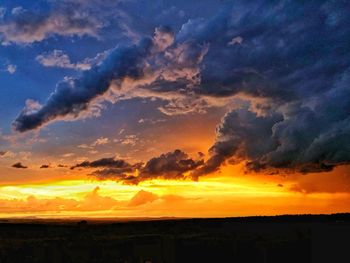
(168, 166)
(117, 164)
(25, 27)
(45, 166)
(124, 69)
(301, 120)
(295, 137)
(19, 166)
(74, 95)
(242, 134)
(296, 88)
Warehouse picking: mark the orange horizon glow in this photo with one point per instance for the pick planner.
(218, 195)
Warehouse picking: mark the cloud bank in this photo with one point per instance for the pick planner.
(290, 61)
(73, 95)
(168, 166)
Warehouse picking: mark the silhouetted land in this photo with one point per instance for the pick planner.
(305, 238)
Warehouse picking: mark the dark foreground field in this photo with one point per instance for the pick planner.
(254, 239)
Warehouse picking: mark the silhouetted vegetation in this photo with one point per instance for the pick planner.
(305, 238)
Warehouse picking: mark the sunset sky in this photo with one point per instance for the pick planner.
(135, 108)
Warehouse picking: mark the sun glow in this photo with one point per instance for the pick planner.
(212, 196)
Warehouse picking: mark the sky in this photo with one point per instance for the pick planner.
(163, 108)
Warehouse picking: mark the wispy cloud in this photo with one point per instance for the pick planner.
(58, 58)
(25, 27)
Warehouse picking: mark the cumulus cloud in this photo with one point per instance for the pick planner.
(242, 134)
(124, 67)
(92, 201)
(6, 66)
(73, 95)
(57, 58)
(297, 87)
(303, 123)
(100, 141)
(19, 166)
(11, 68)
(142, 197)
(296, 137)
(7, 154)
(169, 166)
(130, 139)
(26, 27)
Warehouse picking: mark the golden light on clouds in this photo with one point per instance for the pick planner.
(212, 196)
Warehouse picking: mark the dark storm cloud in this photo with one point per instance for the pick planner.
(113, 169)
(73, 96)
(25, 27)
(291, 57)
(19, 166)
(118, 166)
(116, 175)
(168, 166)
(296, 57)
(171, 165)
(242, 133)
(299, 138)
(277, 55)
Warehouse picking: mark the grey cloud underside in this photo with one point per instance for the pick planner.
(293, 56)
(297, 57)
(73, 96)
(118, 165)
(169, 166)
